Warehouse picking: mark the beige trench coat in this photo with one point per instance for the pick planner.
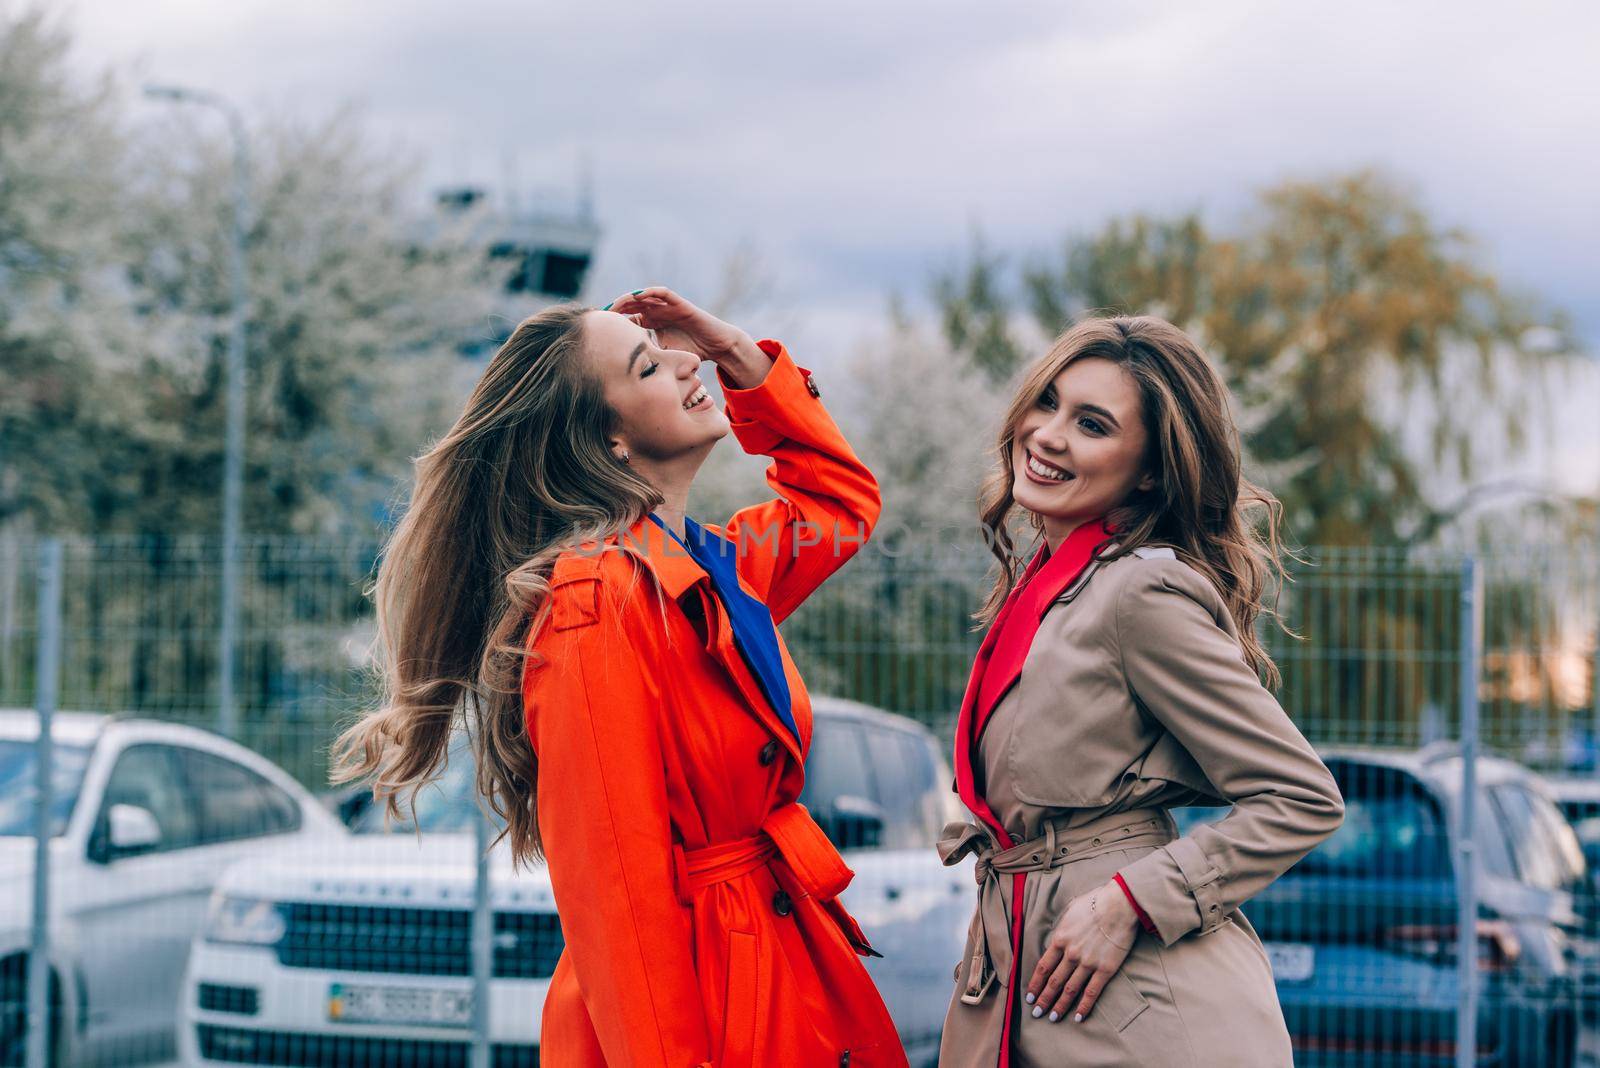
(1135, 697)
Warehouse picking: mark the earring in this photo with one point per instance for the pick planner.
(626, 456)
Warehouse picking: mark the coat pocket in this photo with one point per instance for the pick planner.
(1121, 1001)
(741, 1003)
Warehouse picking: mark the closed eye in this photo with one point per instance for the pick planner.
(650, 370)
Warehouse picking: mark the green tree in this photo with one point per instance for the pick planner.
(115, 308)
(352, 335)
(114, 317)
(61, 152)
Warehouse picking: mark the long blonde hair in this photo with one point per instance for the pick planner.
(525, 473)
(1200, 501)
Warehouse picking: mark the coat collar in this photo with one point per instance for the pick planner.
(1067, 595)
(677, 573)
(674, 568)
(1144, 552)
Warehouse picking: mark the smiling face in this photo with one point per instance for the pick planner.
(665, 416)
(1079, 450)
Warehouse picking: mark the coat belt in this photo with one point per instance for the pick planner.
(811, 865)
(802, 859)
(988, 956)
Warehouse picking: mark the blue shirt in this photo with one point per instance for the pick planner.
(754, 633)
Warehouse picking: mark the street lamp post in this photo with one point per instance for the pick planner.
(233, 454)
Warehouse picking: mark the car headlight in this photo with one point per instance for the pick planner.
(244, 921)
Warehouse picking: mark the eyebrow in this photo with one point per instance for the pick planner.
(1101, 412)
(634, 355)
(1085, 406)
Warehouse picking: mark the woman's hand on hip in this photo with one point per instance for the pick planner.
(681, 325)
(1085, 949)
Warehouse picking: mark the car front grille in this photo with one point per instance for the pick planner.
(218, 997)
(414, 941)
(241, 1046)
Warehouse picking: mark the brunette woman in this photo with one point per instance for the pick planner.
(636, 718)
(1121, 676)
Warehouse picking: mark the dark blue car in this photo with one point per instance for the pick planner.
(1362, 932)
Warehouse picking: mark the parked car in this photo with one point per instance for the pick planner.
(1579, 800)
(146, 816)
(1362, 932)
(366, 959)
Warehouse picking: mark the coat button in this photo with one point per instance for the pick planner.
(844, 1059)
(769, 753)
(781, 903)
(811, 386)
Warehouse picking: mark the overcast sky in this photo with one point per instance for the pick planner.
(855, 145)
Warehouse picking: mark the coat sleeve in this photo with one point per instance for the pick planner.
(604, 822)
(828, 502)
(1191, 675)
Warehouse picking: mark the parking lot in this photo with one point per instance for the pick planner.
(217, 902)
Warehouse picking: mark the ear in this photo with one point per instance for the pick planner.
(1146, 484)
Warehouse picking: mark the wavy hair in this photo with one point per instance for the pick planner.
(525, 473)
(1200, 504)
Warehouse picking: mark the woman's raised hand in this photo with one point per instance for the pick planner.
(1085, 949)
(679, 324)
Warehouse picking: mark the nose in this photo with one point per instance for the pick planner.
(1052, 436)
(691, 364)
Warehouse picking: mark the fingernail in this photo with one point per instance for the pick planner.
(608, 306)
(1029, 999)
(1054, 1016)
(636, 292)
(1038, 1011)
(1078, 1018)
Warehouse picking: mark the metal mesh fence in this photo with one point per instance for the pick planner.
(208, 902)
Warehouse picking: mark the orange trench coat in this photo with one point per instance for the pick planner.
(697, 897)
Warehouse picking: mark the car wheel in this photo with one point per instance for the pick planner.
(14, 1013)
(1563, 1041)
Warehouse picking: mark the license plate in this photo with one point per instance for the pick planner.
(424, 1006)
(1291, 962)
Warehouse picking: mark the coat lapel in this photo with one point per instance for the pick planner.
(979, 701)
(680, 576)
(971, 720)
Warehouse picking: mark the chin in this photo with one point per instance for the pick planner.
(1027, 495)
(709, 436)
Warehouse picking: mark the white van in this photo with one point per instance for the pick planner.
(147, 815)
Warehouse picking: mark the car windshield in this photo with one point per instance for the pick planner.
(19, 784)
(1394, 837)
(444, 806)
(1578, 812)
(1390, 830)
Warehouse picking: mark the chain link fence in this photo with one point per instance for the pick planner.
(211, 900)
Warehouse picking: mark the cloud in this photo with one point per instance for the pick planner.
(856, 145)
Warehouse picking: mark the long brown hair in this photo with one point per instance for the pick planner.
(525, 473)
(1200, 501)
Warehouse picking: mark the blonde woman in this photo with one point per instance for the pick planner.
(636, 718)
(1121, 676)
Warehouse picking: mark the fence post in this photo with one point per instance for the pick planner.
(45, 682)
(1466, 866)
(482, 944)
